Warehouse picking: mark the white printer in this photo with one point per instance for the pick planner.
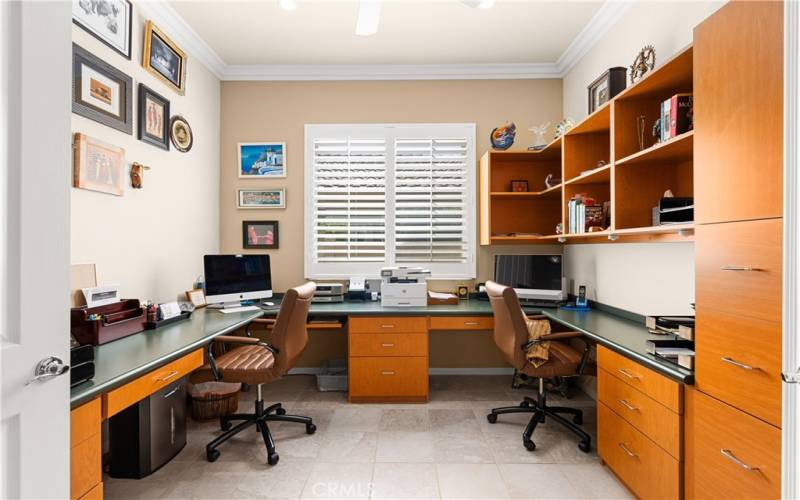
(404, 286)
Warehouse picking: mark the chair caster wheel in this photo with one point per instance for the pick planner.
(225, 425)
(525, 404)
(529, 445)
(311, 428)
(577, 419)
(273, 458)
(212, 455)
(492, 418)
(280, 411)
(585, 446)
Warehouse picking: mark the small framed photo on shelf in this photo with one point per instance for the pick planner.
(259, 160)
(197, 297)
(609, 84)
(260, 234)
(519, 186)
(261, 198)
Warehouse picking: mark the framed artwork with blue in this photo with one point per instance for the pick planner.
(259, 160)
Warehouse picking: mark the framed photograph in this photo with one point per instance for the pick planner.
(197, 297)
(519, 186)
(609, 84)
(258, 160)
(109, 21)
(261, 198)
(153, 118)
(101, 92)
(98, 166)
(162, 57)
(260, 234)
(180, 133)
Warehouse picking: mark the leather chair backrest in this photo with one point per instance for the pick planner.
(510, 329)
(289, 334)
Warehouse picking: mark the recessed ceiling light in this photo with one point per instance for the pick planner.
(288, 4)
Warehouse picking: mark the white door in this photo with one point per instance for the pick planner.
(35, 166)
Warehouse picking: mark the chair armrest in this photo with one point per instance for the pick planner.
(264, 321)
(230, 339)
(551, 336)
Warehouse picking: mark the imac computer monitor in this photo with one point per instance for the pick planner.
(538, 278)
(231, 279)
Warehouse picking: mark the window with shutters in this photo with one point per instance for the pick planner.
(390, 195)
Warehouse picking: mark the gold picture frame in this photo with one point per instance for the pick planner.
(160, 58)
(197, 297)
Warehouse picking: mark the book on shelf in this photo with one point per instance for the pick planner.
(676, 116)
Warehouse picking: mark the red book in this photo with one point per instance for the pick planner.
(680, 115)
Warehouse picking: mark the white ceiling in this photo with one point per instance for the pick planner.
(411, 32)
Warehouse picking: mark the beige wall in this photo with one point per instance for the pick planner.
(644, 278)
(277, 111)
(151, 241)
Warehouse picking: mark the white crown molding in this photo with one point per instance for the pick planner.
(179, 30)
(609, 13)
(392, 72)
(166, 18)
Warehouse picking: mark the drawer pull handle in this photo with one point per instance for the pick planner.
(627, 451)
(387, 326)
(387, 345)
(739, 364)
(730, 456)
(470, 323)
(628, 374)
(740, 268)
(167, 376)
(387, 373)
(628, 405)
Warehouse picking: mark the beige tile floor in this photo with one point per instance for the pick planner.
(443, 449)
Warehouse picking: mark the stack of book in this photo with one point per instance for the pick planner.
(676, 116)
(584, 212)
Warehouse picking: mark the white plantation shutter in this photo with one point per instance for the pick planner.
(385, 195)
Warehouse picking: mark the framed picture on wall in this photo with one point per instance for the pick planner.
(109, 21)
(101, 92)
(163, 58)
(258, 160)
(153, 118)
(260, 234)
(98, 166)
(261, 198)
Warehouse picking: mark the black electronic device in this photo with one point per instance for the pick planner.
(231, 279)
(581, 301)
(537, 278)
(81, 362)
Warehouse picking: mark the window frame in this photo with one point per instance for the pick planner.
(390, 131)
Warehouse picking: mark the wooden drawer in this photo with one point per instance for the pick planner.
(462, 323)
(721, 443)
(738, 268)
(85, 466)
(383, 324)
(653, 419)
(389, 378)
(122, 397)
(388, 344)
(739, 362)
(85, 421)
(658, 387)
(95, 493)
(644, 467)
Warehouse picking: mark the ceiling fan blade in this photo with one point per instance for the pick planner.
(369, 15)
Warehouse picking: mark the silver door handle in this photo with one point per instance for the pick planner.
(167, 376)
(387, 373)
(627, 405)
(471, 323)
(743, 366)
(627, 373)
(173, 391)
(49, 367)
(740, 268)
(387, 344)
(730, 456)
(387, 326)
(627, 450)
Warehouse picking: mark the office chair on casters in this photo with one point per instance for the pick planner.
(511, 337)
(256, 363)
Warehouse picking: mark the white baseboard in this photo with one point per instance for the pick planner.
(431, 371)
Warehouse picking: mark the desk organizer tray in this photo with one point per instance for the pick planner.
(117, 320)
(152, 325)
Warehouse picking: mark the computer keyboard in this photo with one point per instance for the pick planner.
(239, 309)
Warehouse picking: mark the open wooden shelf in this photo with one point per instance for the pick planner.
(552, 151)
(552, 192)
(673, 76)
(599, 121)
(676, 150)
(601, 174)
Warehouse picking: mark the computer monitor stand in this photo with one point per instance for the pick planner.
(232, 307)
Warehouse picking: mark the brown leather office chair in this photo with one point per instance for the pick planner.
(256, 362)
(511, 337)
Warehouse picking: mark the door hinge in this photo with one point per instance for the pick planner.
(791, 377)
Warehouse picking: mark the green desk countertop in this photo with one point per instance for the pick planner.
(123, 360)
(617, 333)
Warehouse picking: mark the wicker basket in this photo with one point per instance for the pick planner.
(214, 399)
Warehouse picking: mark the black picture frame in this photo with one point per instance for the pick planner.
(91, 31)
(145, 94)
(175, 123)
(613, 81)
(123, 120)
(246, 236)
